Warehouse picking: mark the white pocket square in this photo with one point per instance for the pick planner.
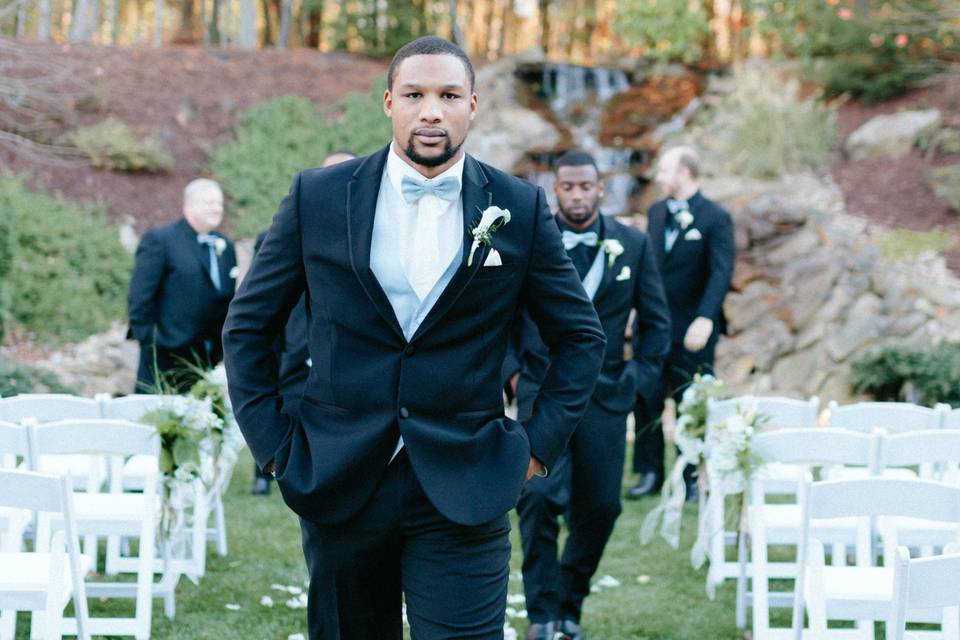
(493, 259)
(693, 234)
(624, 274)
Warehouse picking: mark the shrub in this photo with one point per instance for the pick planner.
(277, 139)
(113, 145)
(6, 260)
(764, 129)
(871, 50)
(19, 378)
(69, 273)
(666, 30)
(891, 373)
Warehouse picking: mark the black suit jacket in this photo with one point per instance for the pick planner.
(441, 390)
(633, 282)
(172, 300)
(696, 273)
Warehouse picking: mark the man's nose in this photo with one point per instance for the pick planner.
(431, 111)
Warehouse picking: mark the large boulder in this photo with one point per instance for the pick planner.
(892, 135)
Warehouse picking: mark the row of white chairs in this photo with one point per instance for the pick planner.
(97, 513)
(783, 412)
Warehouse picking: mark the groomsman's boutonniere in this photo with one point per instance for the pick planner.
(219, 245)
(684, 219)
(234, 272)
(613, 249)
(491, 219)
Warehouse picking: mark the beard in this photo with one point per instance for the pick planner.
(580, 217)
(424, 161)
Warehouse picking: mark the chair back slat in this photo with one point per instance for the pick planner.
(30, 490)
(892, 417)
(47, 407)
(884, 497)
(94, 437)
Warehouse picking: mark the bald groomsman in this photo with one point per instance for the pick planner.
(183, 281)
(618, 271)
(693, 242)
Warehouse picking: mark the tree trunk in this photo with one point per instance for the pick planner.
(78, 22)
(21, 19)
(315, 22)
(114, 21)
(286, 16)
(455, 32)
(43, 27)
(188, 22)
(158, 9)
(545, 26)
(267, 39)
(247, 38)
(93, 26)
(213, 30)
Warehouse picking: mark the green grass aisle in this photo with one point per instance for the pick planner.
(264, 540)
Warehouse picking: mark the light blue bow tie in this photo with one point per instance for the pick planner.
(676, 206)
(571, 239)
(446, 188)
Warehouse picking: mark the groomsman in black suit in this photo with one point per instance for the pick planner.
(401, 463)
(291, 347)
(617, 268)
(183, 279)
(693, 241)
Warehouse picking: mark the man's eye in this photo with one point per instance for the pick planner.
(450, 96)
(413, 94)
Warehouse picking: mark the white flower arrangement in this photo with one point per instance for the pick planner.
(613, 248)
(684, 219)
(491, 220)
(219, 245)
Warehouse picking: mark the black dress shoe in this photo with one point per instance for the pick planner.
(570, 630)
(693, 493)
(541, 631)
(261, 487)
(648, 484)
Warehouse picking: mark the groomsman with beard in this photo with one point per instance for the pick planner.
(617, 268)
(182, 283)
(291, 347)
(693, 242)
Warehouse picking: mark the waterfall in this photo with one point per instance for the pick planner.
(577, 96)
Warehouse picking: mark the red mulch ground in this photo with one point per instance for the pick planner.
(190, 97)
(894, 192)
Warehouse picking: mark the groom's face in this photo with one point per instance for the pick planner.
(431, 106)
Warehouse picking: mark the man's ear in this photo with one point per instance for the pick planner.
(474, 100)
(387, 102)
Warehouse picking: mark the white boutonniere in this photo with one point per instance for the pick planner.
(684, 219)
(234, 272)
(625, 274)
(219, 245)
(693, 234)
(491, 219)
(613, 249)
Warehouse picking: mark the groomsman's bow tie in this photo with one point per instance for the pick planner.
(571, 239)
(676, 206)
(413, 189)
(207, 238)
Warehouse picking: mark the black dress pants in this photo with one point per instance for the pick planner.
(453, 577)
(678, 370)
(584, 486)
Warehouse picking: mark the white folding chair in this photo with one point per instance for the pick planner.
(14, 455)
(925, 584)
(892, 417)
(45, 580)
(47, 407)
(114, 513)
(782, 413)
(863, 592)
(935, 450)
(779, 524)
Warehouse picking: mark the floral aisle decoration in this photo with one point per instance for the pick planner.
(185, 426)
(220, 450)
(730, 463)
(689, 435)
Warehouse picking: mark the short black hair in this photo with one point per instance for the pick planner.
(429, 46)
(576, 158)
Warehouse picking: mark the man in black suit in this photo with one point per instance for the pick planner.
(183, 279)
(291, 347)
(693, 241)
(401, 463)
(616, 265)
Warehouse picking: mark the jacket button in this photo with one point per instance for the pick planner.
(409, 350)
(404, 413)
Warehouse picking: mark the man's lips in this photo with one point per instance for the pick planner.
(430, 136)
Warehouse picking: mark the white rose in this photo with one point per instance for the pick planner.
(685, 219)
(220, 245)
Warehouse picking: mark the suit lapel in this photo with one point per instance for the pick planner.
(199, 251)
(362, 193)
(476, 198)
(656, 232)
(610, 232)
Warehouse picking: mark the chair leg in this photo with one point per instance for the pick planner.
(741, 615)
(8, 623)
(221, 525)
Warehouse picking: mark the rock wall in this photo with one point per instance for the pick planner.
(814, 290)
